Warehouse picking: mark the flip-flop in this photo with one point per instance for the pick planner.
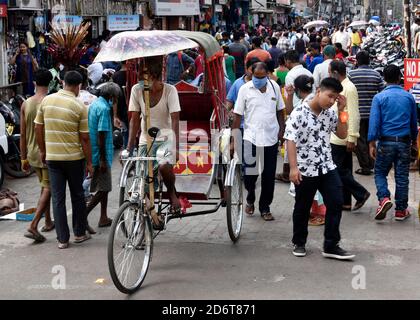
(45, 229)
(106, 225)
(83, 239)
(267, 217)
(37, 237)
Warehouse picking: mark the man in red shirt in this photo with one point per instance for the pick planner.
(259, 53)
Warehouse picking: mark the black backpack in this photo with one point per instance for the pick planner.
(300, 45)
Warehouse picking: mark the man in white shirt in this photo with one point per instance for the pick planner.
(296, 70)
(342, 37)
(164, 114)
(261, 104)
(321, 70)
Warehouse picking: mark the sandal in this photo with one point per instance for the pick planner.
(250, 209)
(63, 245)
(46, 229)
(267, 217)
(317, 221)
(106, 225)
(82, 239)
(364, 172)
(36, 236)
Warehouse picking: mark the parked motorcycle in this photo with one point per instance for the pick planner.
(385, 48)
(11, 114)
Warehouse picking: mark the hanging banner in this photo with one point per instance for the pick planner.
(63, 21)
(3, 8)
(123, 22)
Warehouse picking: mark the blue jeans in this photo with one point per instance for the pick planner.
(397, 154)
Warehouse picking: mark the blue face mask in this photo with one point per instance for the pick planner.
(259, 83)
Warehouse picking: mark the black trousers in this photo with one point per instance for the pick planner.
(330, 186)
(60, 173)
(260, 160)
(362, 150)
(344, 162)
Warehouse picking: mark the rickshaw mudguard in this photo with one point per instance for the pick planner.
(230, 174)
(124, 176)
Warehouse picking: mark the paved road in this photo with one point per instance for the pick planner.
(194, 258)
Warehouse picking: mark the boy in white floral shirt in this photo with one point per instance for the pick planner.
(308, 132)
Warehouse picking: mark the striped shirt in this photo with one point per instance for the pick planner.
(64, 117)
(368, 83)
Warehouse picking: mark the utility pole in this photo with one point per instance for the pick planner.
(407, 26)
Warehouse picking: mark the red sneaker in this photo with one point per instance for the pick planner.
(384, 206)
(401, 215)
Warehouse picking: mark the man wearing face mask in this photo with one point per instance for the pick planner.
(165, 109)
(260, 103)
(100, 132)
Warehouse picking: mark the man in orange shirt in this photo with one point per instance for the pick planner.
(259, 53)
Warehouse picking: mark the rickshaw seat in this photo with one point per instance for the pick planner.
(196, 111)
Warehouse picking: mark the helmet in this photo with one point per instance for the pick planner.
(118, 139)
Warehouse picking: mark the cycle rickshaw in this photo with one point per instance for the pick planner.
(204, 148)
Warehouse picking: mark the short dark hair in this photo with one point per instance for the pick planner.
(304, 83)
(315, 46)
(84, 74)
(73, 78)
(271, 65)
(236, 36)
(273, 41)
(257, 41)
(281, 60)
(292, 56)
(338, 45)
(331, 84)
(43, 77)
(225, 34)
(363, 58)
(339, 67)
(251, 62)
(259, 65)
(226, 49)
(392, 74)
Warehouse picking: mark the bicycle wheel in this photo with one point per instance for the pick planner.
(124, 191)
(130, 247)
(234, 206)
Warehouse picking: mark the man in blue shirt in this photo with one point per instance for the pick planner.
(314, 58)
(393, 124)
(100, 132)
(175, 69)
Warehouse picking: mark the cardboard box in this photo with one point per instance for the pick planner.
(26, 215)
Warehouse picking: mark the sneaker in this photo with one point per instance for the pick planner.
(299, 251)
(338, 253)
(401, 215)
(384, 206)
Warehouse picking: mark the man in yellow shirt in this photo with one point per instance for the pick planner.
(356, 41)
(342, 149)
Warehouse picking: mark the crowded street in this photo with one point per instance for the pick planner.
(209, 150)
(195, 257)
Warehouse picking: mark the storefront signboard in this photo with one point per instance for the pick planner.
(123, 22)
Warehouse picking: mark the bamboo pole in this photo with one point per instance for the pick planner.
(152, 210)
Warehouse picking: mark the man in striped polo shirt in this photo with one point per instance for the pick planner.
(63, 137)
(368, 83)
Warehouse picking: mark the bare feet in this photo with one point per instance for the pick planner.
(48, 227)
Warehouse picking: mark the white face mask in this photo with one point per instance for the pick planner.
(61, 67)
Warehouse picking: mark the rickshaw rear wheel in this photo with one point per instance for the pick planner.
(130, 247)
(234, 206)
